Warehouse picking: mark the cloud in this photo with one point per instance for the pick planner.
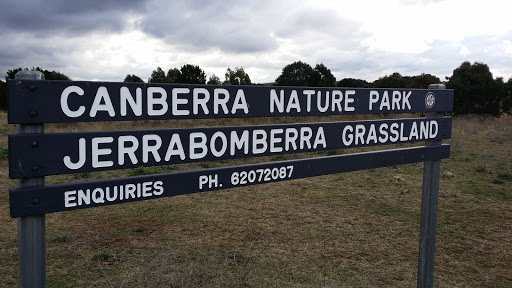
(231, 26)
(507, 47)
(66, 17)
(49, 34)
(464, 51)
(104, 40)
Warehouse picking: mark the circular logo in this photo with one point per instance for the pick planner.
(430, 100)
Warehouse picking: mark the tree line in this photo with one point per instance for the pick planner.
(476, 91)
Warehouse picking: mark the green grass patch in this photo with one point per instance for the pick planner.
(480, 169)
(61, 239)
(505, 176)
(393, 211)
(139, 171)
(4, 153)
(104, 256)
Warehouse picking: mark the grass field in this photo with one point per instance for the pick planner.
(353, 229)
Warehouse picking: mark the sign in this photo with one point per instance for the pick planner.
(34, 155)
(64, 197)
(40, 154)
(65, 101)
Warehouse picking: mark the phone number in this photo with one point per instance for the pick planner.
(261, 175)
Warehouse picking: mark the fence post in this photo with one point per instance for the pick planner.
(31, 229)
(429, 197)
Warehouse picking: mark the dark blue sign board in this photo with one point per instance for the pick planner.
(63, 197)
(66, 101)
(34, 154)
(63, 153)
(40, 154)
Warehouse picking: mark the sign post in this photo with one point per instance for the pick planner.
(34, 154)
(429, 199)
(31, 229)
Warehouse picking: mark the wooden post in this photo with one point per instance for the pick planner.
(429, 199)
(31, 229)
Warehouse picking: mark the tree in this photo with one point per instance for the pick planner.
(174, 76)
(213, 80)
(192, 74)
(3, 95)
(394, 80)
(11, 73)
(48, 75)
(322, 77)
(158, 76)
(296, 74)
(506, 103)
(422, 81)
(236, 77)
(353, 83)
(132, 78)
(476, 92)
(54, 75)
(502, 94)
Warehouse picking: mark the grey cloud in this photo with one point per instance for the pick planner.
(319, 32)
(67, 17)
(489, 50)
(25, 51)
(311, 19)
(371, 66)
(45, 33)
(203, 25)
(440, 60)
(51, 35)
(445, 56)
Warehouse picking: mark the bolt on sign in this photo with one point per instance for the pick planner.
(42, 154)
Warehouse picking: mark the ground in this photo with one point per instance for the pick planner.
(351, 229)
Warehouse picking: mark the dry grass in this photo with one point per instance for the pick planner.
(352, 229)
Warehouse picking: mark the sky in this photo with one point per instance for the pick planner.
(363, 39)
